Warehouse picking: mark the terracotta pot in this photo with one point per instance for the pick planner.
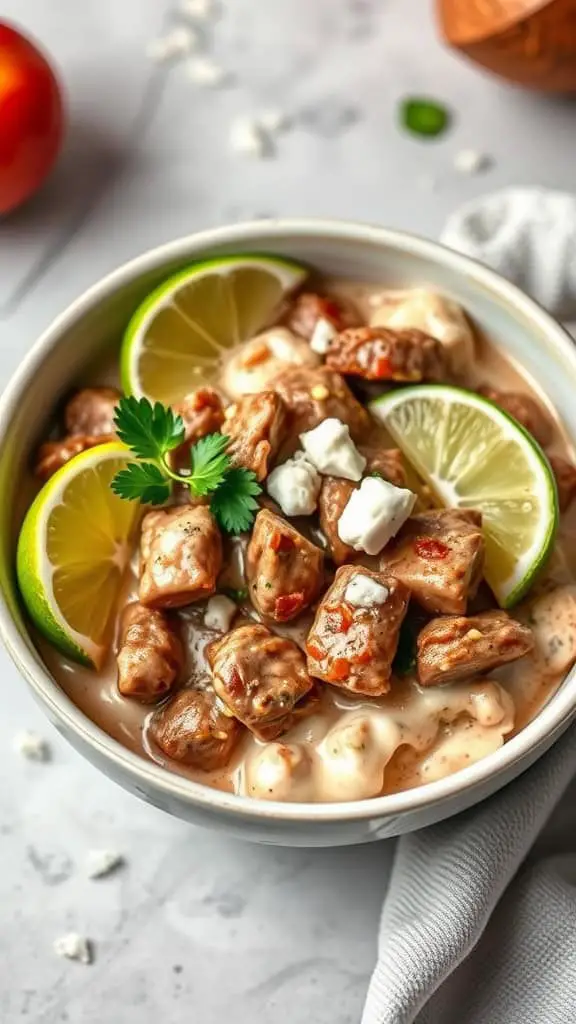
(530, 42)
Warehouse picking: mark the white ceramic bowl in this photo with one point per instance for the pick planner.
(96, 320)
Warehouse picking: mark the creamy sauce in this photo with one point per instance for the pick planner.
(354, 748)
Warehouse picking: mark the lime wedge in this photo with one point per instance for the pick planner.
(178, 338)
(73, 550)
(473, 455)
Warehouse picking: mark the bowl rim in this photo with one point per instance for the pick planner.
(537, 734)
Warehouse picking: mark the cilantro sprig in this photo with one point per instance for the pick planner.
(152, 432)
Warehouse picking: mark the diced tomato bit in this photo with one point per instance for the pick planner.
(341, 618)
(434, 550)
(315, 651)
(331, 311)
(256, 355)
(383, 368)
(204, 399)
(281, 542)
(340, 670)
(288, 604)
(363, 656)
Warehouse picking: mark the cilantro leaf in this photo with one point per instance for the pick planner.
(233, 503)
(423, 116)
(142, 481)
(210, 464)
(150, 431)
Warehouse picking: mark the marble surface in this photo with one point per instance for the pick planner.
(196, 926)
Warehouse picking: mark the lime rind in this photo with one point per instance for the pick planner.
(513, 440)
(289, 274)
(35, 572)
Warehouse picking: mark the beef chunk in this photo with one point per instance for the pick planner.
(254, 365)
(385, 462)
(150, 654)
(256, 425)
(439, 555)
(335, 493)
(260, 677)
(91, 411)
(181, 556)
(524, 409)
(54, 454)
(316, 394)
(456, 647)
(354, 636)
(202, 412)
(308, 308)
(89, 419)
(194, 730)
(385, 354)
(284, 570)
(565, 473)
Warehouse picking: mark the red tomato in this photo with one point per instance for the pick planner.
(31, 118)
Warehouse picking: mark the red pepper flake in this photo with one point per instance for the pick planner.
(288, 605)
(280, 542)
(340, 670)
(315, 651)
(383, 368)
(433, 550)
(258, 354)
(341, 618)
(235, 685)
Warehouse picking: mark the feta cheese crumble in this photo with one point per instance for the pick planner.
(31, 746)
(177, 43)
(199, 10)
(331, 449)
(295, 485)
(364, 592)
(205, 71)
(219, 613)
(247, 136)
(100, 863)
(322, 335)
(374, 514)
(470, 161)
(274, 121)
(74, 947)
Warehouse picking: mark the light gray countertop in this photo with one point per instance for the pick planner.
(196, 926)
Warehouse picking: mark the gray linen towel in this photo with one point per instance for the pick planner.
(479, 920)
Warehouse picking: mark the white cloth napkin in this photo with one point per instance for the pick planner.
(479, 920)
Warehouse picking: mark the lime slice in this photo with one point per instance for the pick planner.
(178, 338)
(473, 455)
(73, 550)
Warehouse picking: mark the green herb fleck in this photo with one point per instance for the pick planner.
(423, 116)
(238, 595)
(405, 659)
